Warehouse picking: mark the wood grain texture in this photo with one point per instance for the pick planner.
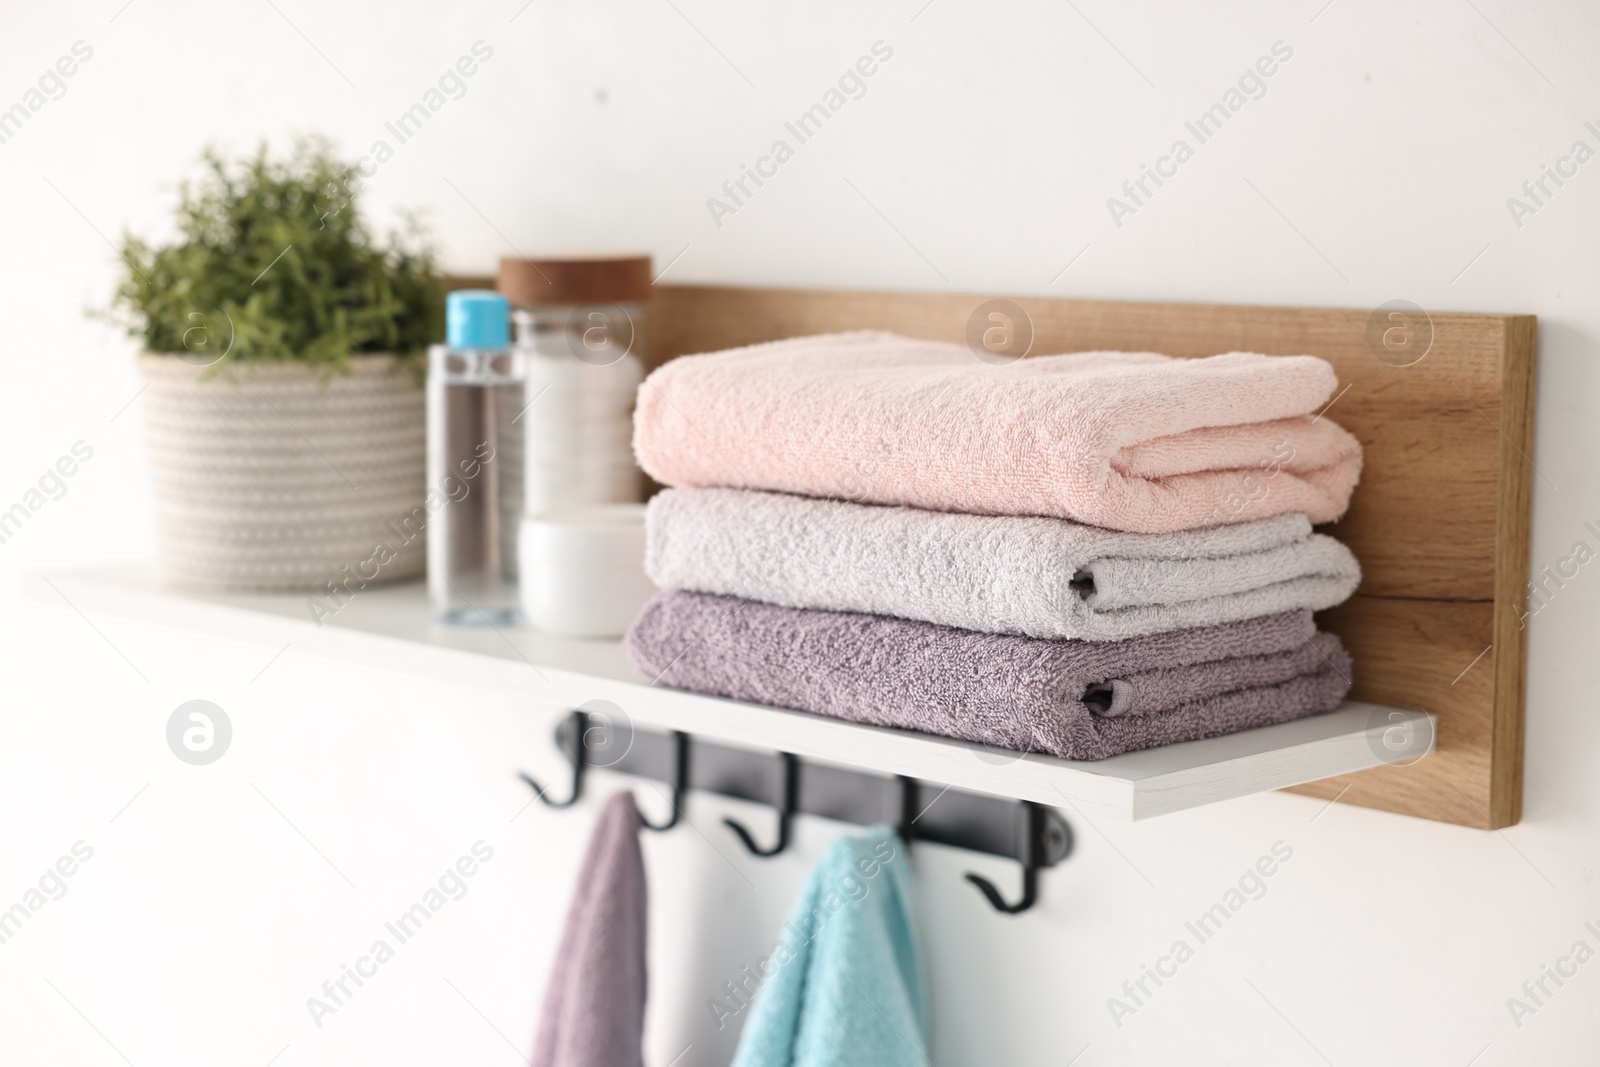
(1439, 522)
(1512, 550)
(1423, 655)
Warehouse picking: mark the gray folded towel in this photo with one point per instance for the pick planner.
(1074, 699)
(1039, 577)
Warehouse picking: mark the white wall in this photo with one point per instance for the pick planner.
(1381, 159)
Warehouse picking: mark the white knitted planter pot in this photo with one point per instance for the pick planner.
(269, 477)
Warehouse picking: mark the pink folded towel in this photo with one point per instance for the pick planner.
(594, 1002)
(1128, 441)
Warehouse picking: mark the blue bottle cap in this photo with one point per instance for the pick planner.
(476, 318)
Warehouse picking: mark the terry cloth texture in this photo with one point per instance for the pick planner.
(1074, 699)
(593, 1012)
(844, 984)
(1038, 577)
(1122, 440)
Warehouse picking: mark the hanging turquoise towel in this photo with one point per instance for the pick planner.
(843, 987)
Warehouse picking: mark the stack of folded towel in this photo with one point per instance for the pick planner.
(1080, 554)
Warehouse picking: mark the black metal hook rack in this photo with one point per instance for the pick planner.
(1033, 835)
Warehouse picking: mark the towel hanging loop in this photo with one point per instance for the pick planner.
(1033, 850)
(680, 782)
(788, 802)
(580, 727)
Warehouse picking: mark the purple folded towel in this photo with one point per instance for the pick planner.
(1075, 699)
(594, 1003)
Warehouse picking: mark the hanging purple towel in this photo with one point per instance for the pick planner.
(1074, 699)
(594, 1003)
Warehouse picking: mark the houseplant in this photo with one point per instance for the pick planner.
(282, 354)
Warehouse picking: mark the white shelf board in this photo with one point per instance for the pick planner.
(388, 626)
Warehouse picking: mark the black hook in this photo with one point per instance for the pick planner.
(680, 782)
(788, 801)
(580, 725)
(909, 795)
(1032, 859)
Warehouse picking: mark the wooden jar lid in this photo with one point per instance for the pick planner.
(575, 280)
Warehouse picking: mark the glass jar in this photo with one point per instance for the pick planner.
(579, 323)
(581, 382)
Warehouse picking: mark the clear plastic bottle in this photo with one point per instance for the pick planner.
(475, 457)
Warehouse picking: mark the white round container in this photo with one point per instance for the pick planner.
(582, 570)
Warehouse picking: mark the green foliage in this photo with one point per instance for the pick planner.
(329, 289)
